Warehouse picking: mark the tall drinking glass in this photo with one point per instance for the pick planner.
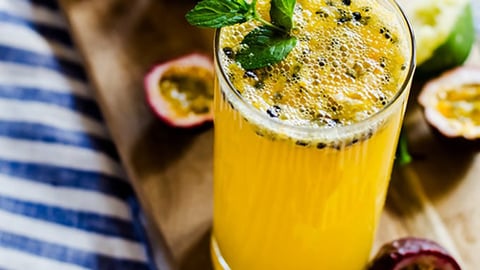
(294, 187)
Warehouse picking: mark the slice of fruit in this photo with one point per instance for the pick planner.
(413, 253)
(452, 103)
(180, 92)
(444, 32)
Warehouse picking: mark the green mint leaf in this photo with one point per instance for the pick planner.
(403, 157)
(281, 13)
(217, 14)
(264, 46)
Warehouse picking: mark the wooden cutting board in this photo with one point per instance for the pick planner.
(438, 196)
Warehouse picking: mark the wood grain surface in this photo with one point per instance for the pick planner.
(438, 196)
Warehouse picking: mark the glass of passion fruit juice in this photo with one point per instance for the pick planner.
(304, 148)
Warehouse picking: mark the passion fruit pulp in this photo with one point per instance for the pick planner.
(452, 103)
(180, 91)
(413, 254)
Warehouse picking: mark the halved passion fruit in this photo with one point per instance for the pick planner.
(180, 92)
(452, 103)
(412, 254)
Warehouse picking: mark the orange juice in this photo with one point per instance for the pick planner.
(304, 148)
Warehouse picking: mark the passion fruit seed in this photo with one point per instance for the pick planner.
(322, 14)
(413, 253)
(302, 143)
(250, 74)
(274, 111)
(229, 52)
(357, 16)
(180, 92)
(321, 145)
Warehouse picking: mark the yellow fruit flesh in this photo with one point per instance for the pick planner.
(187, 90)
(461, 105)
(316, 205)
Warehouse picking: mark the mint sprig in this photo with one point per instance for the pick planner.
(216, 14)
(267, 44)
(264, 46)
(281, 12)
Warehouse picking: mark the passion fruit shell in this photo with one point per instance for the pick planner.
(413, 253)
(452, 103)
(180, 91)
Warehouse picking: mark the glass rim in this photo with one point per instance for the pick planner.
(276, 124)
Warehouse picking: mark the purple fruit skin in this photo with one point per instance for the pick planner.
(391, 254)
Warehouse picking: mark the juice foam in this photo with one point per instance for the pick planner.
(347, 66)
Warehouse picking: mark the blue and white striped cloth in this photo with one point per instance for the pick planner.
(64, 200)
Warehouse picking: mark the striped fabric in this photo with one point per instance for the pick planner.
(64, 200)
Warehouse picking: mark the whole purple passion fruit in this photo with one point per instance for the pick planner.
(452, 103)
(180, 91)
(413, 254)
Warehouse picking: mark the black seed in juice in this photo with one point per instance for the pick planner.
(357, 16)
(277, 96)
(322, 14)
(369, 134)
(231, 105)
(302, 143)
(321, 145)
(347, 2)
(403, 67)
(331, 123)
(259, 133)
(364, 20)
(335, 42)
(223, 95)
(250, 74)
(259, 85)
(344, 17)
(274, 112)
(296, 69)
(387, 36)
(228, 52)
(351, 74)
(354, 141)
